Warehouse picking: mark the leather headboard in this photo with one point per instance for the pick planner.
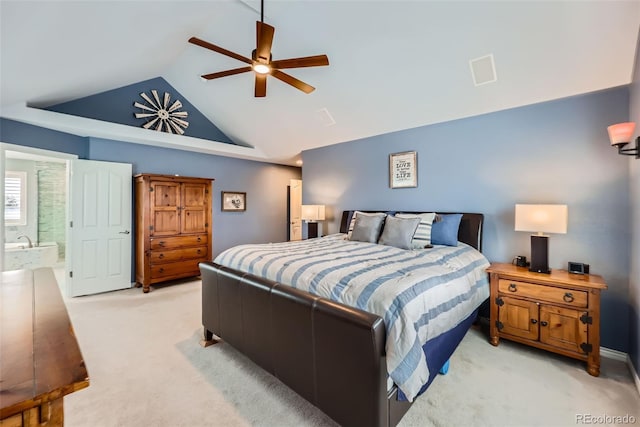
(470, 231)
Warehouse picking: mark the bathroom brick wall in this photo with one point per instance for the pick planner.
(52, 196)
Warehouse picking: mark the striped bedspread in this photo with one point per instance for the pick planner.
(418, 293)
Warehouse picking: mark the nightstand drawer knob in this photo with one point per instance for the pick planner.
(534, 321)
(568, 297)
(513, 287)
(544, 323)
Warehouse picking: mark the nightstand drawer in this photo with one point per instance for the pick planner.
(543, 293)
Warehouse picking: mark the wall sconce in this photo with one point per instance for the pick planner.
(620, 135)
(312, 214)
(541, 218)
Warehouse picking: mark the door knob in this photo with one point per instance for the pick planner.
(124, 232)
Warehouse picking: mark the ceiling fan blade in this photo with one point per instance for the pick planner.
(264, 40)
(207, 45)
(298, 84)
(307, 61)
(261, 85)
(226, 73)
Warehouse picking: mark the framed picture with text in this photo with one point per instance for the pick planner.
(403, 170)
(234, 201)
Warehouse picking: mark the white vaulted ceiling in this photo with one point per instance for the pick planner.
(393, 64)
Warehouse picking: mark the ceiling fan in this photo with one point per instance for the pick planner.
(261, 62)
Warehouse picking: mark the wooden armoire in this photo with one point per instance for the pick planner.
(173, 227)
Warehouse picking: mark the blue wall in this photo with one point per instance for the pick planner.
(116, 106)
(18, 133)
(266, 185)
(554, 152)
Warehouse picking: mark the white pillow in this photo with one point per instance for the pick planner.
(422, 236)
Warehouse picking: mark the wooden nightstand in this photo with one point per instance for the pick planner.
(558, 312)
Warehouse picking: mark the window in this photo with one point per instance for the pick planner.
(15, 198)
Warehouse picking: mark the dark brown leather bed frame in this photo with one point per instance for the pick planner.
(331, 354)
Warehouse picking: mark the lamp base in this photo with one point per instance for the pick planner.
(540, 254)
(312, 230)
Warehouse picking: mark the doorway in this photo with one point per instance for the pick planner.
(89, 254)
(36, 208)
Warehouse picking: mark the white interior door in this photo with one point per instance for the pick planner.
(295, 209)
(100, 227)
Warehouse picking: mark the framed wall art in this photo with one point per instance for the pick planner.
(234, 201)
(403, 170)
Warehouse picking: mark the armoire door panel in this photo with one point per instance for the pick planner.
(166, 223)
(193, 221)
(194, 195)
(166, 194)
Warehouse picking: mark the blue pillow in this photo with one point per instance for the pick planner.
(445, 231)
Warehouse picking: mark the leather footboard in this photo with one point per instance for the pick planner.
(331, 354)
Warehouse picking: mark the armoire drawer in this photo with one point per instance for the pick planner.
(173, 255)
(177, 242)
(183, 268)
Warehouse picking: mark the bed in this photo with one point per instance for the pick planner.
(311, 313)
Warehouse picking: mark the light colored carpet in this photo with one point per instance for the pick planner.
(147, 368)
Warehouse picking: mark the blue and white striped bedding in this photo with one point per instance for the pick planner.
(419, 294)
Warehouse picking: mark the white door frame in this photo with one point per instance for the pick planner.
(4, 147)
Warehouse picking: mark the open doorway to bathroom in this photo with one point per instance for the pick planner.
(35, 209)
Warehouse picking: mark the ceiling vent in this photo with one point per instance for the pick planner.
(483, 70)
(325, 117)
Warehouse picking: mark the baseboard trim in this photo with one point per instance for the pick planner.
(614, 354)
(622, 357)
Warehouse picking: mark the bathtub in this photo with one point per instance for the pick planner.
(19, 255)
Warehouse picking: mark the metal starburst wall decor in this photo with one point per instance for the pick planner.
(162, 115)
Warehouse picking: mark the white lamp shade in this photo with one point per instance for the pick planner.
(621, 133)
(542, 218)
(313, 212)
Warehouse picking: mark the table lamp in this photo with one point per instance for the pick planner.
(541, 219)
(312, 214)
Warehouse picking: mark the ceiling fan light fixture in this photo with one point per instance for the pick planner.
(261, 68)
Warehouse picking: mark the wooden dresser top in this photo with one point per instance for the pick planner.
(555, 277)
(41, 359)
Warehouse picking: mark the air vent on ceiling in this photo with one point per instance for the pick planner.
(325, 117)
(483, 70)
